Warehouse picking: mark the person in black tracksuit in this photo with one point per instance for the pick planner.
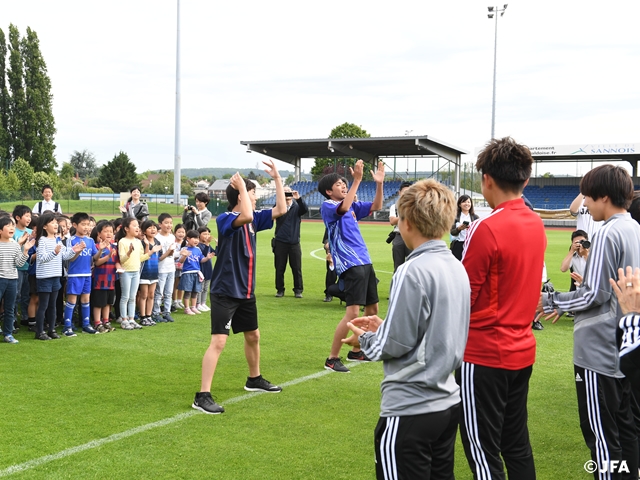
(286, 243)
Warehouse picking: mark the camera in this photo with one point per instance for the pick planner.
(189, 207)
(391, 236)
(585, 243)
(466, 222)
(288, 194)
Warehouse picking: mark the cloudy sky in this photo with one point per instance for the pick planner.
(255, 70)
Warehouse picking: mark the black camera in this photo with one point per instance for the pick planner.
(585, 243)
(391, 236)
(466, 222)
(189, 207)
(288, 194)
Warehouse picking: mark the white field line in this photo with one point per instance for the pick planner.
(36, 462)
(323, 258)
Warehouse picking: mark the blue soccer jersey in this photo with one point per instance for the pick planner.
(345, 240)
(81, 266)
(206, 267)
(192, 262)
(234, 273)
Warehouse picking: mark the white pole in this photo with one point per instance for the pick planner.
(495, 58)
(176, 162)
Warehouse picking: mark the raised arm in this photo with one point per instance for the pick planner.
(378, 176)
(281, 202)
(356, 173)
(244, 202)
(575, 205)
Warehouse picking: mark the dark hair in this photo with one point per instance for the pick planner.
(92, 219)
(147, 224)
(126, 222)
(79, 217)
(233, 194)
(135, 187)
(507, 162)
(45, 219)
(101, 225)
(608, 181)
(20, 211)
(190, 234)
(203, 197)
(117, 223)
(327, 182)
(579, 233)
(5, 220)
(163, 216)
(178, 227)
(45, 186)
(405, 185)
(464, 198)
(204, 229)
(634, 208)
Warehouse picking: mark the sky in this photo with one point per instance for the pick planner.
(567, 74)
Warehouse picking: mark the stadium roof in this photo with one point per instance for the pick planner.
(629, 152)
(368, 149)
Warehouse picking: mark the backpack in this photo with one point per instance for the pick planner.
(56, 207)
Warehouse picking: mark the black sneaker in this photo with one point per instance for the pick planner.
(357, 356)
(336, 365)
(206, 404)
(298, 295)
(53, 335)
(43, 336)
(328, 298)
(279, 294)
(537, 326)
(261, 384)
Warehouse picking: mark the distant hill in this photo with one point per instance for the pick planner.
(220, 172)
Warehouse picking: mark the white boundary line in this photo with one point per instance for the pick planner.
(36, 462)
(314, 255)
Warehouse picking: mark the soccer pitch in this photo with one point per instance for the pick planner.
(118, 405)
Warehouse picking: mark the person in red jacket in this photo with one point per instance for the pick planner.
(503, 255)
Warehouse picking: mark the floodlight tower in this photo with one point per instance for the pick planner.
(177, 175)
(493, 12)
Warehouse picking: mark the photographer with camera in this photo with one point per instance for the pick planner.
(576, 258)
(458, 232)
(197, 216)
(399, 249)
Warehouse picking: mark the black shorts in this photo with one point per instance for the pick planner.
(360, 285)
(33, 287)
(227, 313)
(102, 298)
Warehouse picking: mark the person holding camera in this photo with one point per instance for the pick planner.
(576, 258)
(286, 243)
(458, 232)
(134, 208)
(399, 249)
(198, 215)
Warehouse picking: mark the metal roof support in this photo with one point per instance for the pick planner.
(348, 149)
(285, 157)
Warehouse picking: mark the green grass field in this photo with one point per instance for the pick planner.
(117, 405)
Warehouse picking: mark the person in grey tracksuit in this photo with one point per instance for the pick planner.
(421, 343)
(604, 394)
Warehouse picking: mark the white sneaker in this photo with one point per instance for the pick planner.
(203, 308)
(179, 304)
(135, 324)
(124, 324)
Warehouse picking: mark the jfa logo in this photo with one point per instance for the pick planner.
(614, 466)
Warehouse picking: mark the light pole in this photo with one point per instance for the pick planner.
(493, 12)
(33, 193)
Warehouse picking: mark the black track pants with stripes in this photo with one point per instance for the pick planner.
(416, 446)
(494, 422)
(607, 424)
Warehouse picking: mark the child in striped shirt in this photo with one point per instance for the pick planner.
(12, 255)
(103, 291)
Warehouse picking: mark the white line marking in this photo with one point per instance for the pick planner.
(36, 462)
(323, 258)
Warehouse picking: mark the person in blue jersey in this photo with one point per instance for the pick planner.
(79, 273)
(233, 304)
(340, 213)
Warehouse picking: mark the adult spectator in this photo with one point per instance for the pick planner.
(576, 258)
(134, 208)
(197, 216)
(47, 203)
(584, 220)
(399, 249)
(464, 217)
(501, 348)
(286, 243)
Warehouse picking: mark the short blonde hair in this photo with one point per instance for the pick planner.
(429, 206)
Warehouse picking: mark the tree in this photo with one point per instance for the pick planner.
(84, 164)
(226, 176)
(290, 179)
(17, 101)
(40, 179)
(5, 137)
(40, 127)
(119, 174)
(66, 172)
(340, 165)
(24, 172)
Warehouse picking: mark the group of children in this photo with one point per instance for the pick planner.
(148, 267)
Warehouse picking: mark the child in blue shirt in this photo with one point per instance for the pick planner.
(79, 273)
(341, 213)
(191, 279)
(22, 216)
(148, 272)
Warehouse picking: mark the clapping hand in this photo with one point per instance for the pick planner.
(131, 248)
(104, 245)
(379, 175)
(156, 248)
(57, 249)
(627, 289)
(23, 238)
(27, 245)
(357, 170)
(78, 247)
